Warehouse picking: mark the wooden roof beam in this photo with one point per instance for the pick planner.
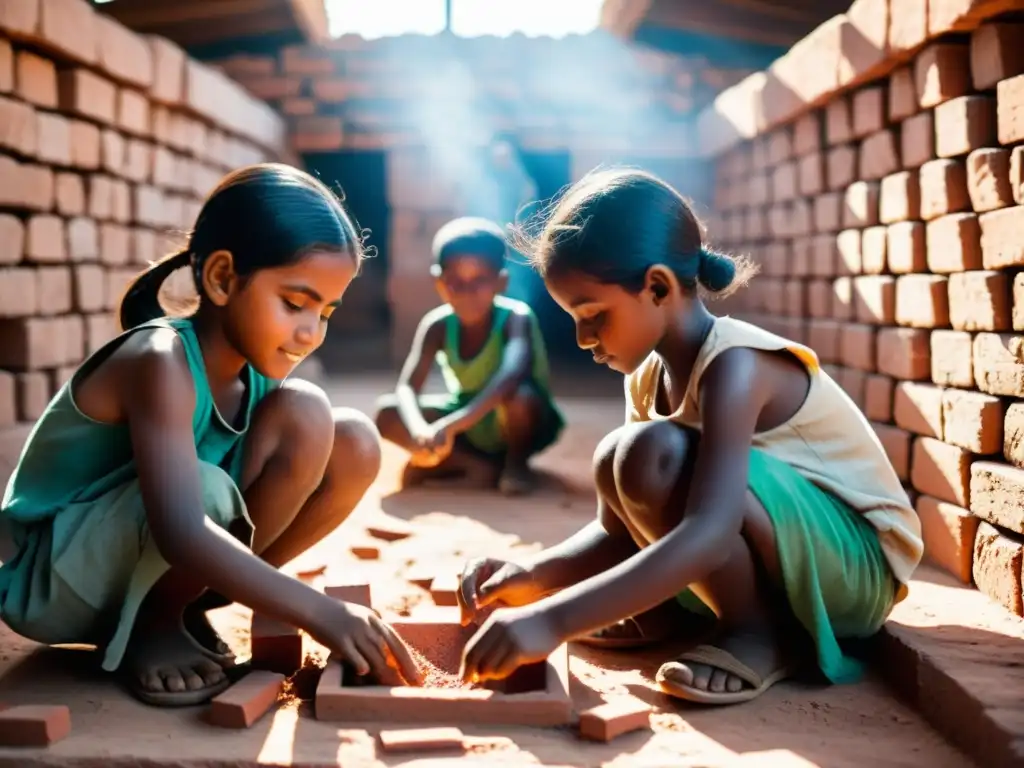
(712, 19)
(137, 15)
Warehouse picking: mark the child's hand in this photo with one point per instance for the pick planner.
(359, 636)
(508, 639)
(487, 581)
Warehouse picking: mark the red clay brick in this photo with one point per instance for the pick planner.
(824, 256)
(917, 139)
(18, 292)
(1017, 174)
(83, 239)
(90, 285)
(878, 397)
(941, 470)
(8, 412)
(819, 298)
(908, 24)
(997, 567)
(874, 250)
(861, 204)
(900, 197)
(138, 160)
(828, 210)
(902, 96)
(896, 443)
(917, 408)
(996, 53)
(795, 298)
(842, 298)
(863, 40)
(868, 111)
(85, 144)
(943, 188)
(1001, 244)
(36, 80)
(54, 135)
(874, 299)
(904, 353)
(905, 247)
(801, 257)
(997, 365)
(948, 532)
(1010, 110)
(857, 346)
(70, 194)
(952, 358)
(622, 714)
(123, 54)
(988, 179)
(32, 394)
(823, 336)
(34, 186)
(84, 93)
(758, 189)
(942, 72)
(276, 647)
(246, 701)
(973, 421)
(44, 239)
(421, 739)
(54, 290)
(20, 20)
(17, 127)
(842, 166)
(168, 71)
(784, 182)
(848, 244)
(112, 149)
(879, 155)
(807, 134)
(69, 27)
(12, 239)
(965, 124)
(6, 66)
(133, 112)
(115, 244)
(980, 301)
(34, 725)
(32, 343)
(1013, 434)
(358, 592)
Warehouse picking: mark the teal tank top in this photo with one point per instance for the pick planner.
(468, 377)
(71, 458)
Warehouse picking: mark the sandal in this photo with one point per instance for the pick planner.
(726, 662)
(625, 634)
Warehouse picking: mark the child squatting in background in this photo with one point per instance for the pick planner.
(743, 476)
(498, 410)
(177, 470)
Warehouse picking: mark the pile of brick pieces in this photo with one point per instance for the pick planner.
(888, 224)
(109, 141)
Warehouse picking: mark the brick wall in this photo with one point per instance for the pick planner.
(429, 102)
(888, 222)
(108, 143)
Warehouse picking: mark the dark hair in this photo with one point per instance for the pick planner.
(470, 236)
(266, 215)
(615, 224)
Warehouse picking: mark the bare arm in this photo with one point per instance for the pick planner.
(425, 345)
(731, 400)
(158, 402)
(515, 367)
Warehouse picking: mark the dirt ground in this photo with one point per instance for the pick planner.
(833, 727)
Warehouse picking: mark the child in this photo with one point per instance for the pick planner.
(498, 411)
(177, 451)
(743, 472)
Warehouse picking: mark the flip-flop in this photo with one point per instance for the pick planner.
(717, 658)
(175, 698)
(626, 634)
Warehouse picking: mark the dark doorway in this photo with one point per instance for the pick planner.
(551, 173)
(357, 337)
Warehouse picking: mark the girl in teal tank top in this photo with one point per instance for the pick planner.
(498, 411)
(178, 469)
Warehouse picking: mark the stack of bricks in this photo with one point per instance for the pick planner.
(888, 223)
(412, 89)
(109, 141)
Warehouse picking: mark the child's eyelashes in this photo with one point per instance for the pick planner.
(291, 306)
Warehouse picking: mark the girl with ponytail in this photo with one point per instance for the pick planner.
(745, 488)
(181, 467)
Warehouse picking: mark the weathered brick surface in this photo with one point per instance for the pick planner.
(998, 558)
(988, 179)
(948, 532)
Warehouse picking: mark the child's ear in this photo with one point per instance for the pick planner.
(660, 283)
(219, 277)
(503, 281)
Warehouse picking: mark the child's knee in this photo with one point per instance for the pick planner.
(386, 419)
(649, 458)
(356, 455)
(304, 426)
(525, 401)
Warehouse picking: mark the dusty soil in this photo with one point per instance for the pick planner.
(831, 727)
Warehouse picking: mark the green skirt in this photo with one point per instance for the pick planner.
(837, 579)
(487, 435)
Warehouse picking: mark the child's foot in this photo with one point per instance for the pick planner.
(167, 668)
(198, 625)
(517, 479)
(740, 666)
(661, 623)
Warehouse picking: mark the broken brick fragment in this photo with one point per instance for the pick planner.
(34, 725)
(357, 592)
(276, 646)
(246, 701)
(614, 718)
(421, 739)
